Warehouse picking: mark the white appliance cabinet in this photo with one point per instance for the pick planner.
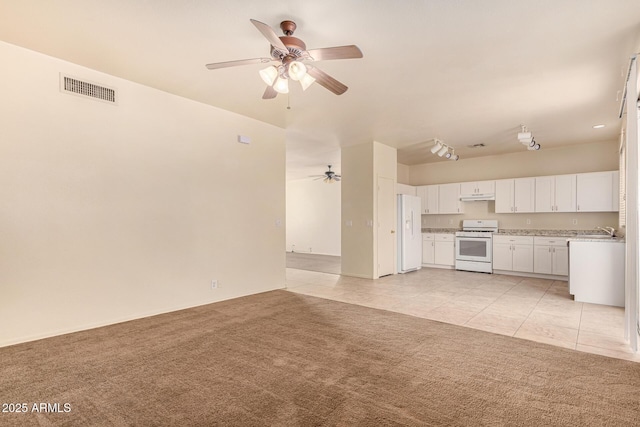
(598, 191)
(477, 187)
(513, 253)
(515, 195)
(555, 193)
(551, 255)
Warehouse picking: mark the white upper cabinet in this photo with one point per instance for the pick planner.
(429, 198)
(477, 187)
(555, 193)
(449, 199)
(504, 196)
(515, 195)
(597, 191)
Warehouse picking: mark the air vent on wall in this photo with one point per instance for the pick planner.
(480, 145)
(75, 86)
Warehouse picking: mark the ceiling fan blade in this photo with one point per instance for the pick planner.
(326, 81)
(271, 36)
(269, 93)
(339, 52)
(216, 65)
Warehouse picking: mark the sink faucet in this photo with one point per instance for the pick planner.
(610, 230)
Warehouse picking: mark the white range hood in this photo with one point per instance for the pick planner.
(477, 197)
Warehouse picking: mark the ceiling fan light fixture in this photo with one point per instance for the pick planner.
(306, 81)
(281, 85)
(297, 70)
(269, 74)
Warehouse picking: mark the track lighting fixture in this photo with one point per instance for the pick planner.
(526, 138)
(436, 147)
(442, 149)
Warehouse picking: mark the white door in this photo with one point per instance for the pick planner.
(502, 256)
(524, 194)
(565, 192)
(523, 258)
(595, 192)
(432, 199)
(542, 259)
(504, 196)
(449, 199)
(545, 194)
(561, 260)
(386, 233)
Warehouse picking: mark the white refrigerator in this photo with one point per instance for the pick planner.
(409, 233)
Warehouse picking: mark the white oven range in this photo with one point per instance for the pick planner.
(474, 245)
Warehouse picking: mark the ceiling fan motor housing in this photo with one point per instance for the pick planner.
(294, 45)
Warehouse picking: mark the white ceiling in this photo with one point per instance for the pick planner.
(463, 71)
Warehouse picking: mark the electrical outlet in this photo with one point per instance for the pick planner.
(528, 221)
(450, 222)
(214, 284)
(574, 221)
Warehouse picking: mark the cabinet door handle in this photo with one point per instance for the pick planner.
(549, 250)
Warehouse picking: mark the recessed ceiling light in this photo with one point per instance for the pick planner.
(598, 126)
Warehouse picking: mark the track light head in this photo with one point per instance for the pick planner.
(436, 147)
(524, 135)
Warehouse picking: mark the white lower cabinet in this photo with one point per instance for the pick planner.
(551, 256)
(428, 248)
(445, 253)
(513, 253)
(438, 249)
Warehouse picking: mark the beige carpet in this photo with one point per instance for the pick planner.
(280, 358)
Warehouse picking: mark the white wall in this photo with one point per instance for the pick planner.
(313, 216)
(362, 166)
(111, 213)
(357, 203)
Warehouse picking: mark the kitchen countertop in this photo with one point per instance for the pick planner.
(569, 234)
(440, 230)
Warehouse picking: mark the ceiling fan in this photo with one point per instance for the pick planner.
(329, 176)
(290, 55)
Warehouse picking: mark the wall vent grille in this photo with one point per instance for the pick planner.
(86, 89)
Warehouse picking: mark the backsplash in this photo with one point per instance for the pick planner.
(523, 221)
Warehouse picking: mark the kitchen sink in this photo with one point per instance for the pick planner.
(595, 236)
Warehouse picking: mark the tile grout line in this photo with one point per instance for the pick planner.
(482, 311)
(531, 311)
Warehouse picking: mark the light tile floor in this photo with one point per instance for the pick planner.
(535, 309)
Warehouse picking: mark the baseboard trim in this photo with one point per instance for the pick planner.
(532, 275)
